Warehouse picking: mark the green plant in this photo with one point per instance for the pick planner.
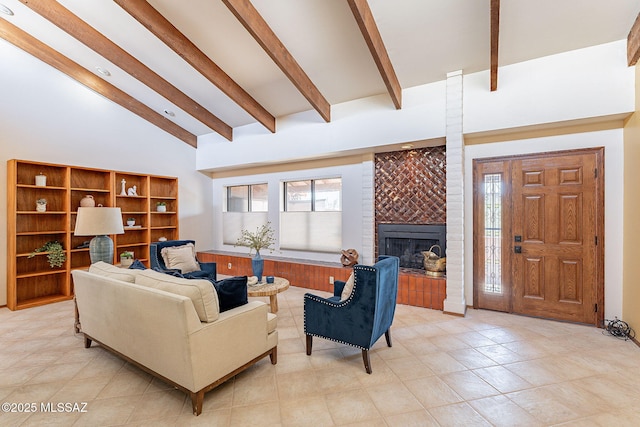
(262, 238)
(55, 255)
(126, 254)
(41, 201)
(161, 204)
(131, 219)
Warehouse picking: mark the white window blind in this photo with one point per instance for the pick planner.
(234, 222)
(311, 231)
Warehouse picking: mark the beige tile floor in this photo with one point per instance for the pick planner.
(485, 369)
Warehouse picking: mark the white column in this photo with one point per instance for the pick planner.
(368, 211)
(455, 302)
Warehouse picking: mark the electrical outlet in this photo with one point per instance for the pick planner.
(331, 280)
(229, 266)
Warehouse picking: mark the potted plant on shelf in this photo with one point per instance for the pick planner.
(161, 206)
(262, 238)
(126, 258)
(41, 205)
(55, 255)
(131, 222)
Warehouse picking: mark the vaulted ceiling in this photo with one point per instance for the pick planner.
(201, 66)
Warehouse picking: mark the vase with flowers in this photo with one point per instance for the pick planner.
(262, 238)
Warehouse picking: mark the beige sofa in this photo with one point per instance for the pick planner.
(171, 327)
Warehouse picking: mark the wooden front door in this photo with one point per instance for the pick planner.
(538, 235)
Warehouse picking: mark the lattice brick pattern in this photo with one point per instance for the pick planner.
(410, 186)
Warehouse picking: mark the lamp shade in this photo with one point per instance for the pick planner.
(98, 221)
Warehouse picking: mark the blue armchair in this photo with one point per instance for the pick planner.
(207, 269)
(362, 318)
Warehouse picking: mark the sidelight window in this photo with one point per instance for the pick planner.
(493, 233)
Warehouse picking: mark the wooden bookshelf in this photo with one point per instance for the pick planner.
(31, 281)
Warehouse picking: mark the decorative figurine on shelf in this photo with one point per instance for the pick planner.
(123, 192)
(133, 191)
(41, 205)
(349, 257)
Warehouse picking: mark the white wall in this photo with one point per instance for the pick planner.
(585, 83)
(364, 124)
(612, 141)
(46, 116)
(355, 173)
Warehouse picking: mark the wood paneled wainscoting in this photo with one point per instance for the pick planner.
(415, 288)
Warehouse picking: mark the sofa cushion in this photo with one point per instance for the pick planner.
(201, 293)
(232, 292)
(182, 258)
(348, 288)
(109, 270)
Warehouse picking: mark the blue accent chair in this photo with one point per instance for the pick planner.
(362, 318)
(207, 269)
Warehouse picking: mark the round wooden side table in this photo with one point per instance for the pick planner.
(271, 290)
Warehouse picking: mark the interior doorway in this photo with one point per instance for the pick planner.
(538, 235)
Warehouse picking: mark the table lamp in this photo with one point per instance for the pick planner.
(99, 222)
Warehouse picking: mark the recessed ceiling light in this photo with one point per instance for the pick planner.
(103, 71)
(4, 9)
(169, 113)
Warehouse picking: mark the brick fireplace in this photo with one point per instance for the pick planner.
(410, 199)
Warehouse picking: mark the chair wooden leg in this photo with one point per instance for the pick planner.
(274, 355)
(367, 361)
(387, 335)
(87, 342)
(309, 344)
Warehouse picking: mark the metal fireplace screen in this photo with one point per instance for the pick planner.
(408, 241)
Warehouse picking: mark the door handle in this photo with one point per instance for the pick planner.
(517, 249)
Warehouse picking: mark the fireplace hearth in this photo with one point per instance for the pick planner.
(408, 241)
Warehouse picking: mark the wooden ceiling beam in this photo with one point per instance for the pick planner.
(31, 45)
(77, 28)
(255, 24)
(150, 18)
(495, 30)
(633, 43)
(371, 34)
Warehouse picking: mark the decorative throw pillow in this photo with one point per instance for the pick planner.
(137, 265)
(348, 288)
(108, 270)
(182, 258)
(232, 292)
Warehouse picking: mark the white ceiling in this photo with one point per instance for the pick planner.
(425, 39)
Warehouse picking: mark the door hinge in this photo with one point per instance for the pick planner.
(595, 308)
(596, 172)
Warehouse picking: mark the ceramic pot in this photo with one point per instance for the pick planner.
(41, 207)
(161, 208)
(87, 201)
(131, 222)
(41, 180)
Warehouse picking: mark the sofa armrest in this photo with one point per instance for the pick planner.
(210, 268)
(237, 337)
